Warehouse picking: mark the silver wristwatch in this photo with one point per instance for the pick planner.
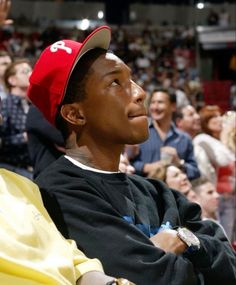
(189, 239)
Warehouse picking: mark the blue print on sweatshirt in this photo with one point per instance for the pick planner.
(147, 229)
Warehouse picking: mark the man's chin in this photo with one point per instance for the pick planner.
(139, 139)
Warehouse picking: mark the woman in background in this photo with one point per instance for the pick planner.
(222, 160)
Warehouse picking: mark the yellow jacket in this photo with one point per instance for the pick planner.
(32, 251)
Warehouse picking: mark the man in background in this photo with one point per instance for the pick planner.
(165, 141)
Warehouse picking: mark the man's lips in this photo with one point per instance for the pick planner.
(142, 113)
(137, 116)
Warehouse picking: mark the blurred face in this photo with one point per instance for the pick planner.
(160, 107)
(190, 122)
(4, 62)
(178, 180)
(215, 124)
(208, 198)
(22, 74)
(114, 108)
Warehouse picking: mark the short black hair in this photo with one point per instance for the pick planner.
(170, 92)
(179, 112)
(75, 91)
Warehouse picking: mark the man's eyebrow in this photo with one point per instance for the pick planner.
(116, 71)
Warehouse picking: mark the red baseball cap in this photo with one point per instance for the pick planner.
(52, 71)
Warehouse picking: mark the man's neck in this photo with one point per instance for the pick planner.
(208, 215)
(192, 133)
(162, 127)
(18, 92)
(95, 158)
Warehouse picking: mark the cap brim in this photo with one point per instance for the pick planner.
(99, 38)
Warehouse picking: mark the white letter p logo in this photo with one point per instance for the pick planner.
(60, 45)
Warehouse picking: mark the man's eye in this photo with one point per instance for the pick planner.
(115, 82)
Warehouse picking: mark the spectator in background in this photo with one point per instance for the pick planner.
(5, 60)
(228, 134)
(14, 154)
(165, 140)
(222, 161)
(207, 197)
(188, 120)
(178, 180)
(228, 138)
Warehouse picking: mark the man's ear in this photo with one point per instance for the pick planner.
(11, 80)
(73, 114)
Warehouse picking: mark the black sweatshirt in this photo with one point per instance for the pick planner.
(112, 216)
(42, 140)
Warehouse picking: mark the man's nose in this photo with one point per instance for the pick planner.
(138, 93)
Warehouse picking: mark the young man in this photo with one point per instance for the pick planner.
(207, 197)
(137, 227)
(14, 153)
(32, 251)
(165, 140)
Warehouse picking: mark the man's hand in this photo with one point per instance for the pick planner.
(154, 168)
(99, 278)
(94, 277)
(168, 241)
(4, 11)
(124, 165)
(172, 154)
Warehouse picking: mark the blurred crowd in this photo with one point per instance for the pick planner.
(191, 145)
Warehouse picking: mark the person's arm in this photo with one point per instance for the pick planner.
(190, 164)
(4, 11)
(218, 154)
(168, 241)
(145, 169)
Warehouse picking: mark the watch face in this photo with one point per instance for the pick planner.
(188, 237)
